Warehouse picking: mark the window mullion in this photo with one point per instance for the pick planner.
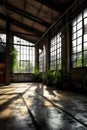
(82, 40)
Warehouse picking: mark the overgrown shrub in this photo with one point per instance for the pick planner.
(51, 78)
(37, 77)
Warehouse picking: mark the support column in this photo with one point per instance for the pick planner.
(7, 71)
(47, 55)
(36, 57)
(63, 52)
(67, 47)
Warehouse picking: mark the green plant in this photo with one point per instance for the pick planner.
(57, 77)
(44, 78)
(13, 59)
(52, 78)
(37, 75)
(49, 80)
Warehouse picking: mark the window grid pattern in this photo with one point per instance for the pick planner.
(55, 52)
(42, 60)
(26, 56)
(79, 40)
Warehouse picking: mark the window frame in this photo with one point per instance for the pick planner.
(79, 39)
(25, 55)
(56, 50)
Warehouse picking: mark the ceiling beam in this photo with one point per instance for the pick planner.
(24, 14)
(25, 34)
(21, 25)
(18, 34)
(25, 38)
(53, 4)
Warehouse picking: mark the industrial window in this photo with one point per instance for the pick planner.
(3, 40)
(42, 59)
(26, 56)
(79, 40)
(55, 52)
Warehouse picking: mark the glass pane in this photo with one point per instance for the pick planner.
(17, 40)
(31, 43)
(58, 45)
(57, 40)
(85, 46)
(74, 43)
(79, 33)
(74, 58)
(74, 49)
(74, 64)
(54, 57)
(74, 36)
(85, 54)
(58, 51)
(79, 48)
(85, 25)
(79, 18)
(85, 13)
(74, 29)
(3, 38)
(85, 63)
(85, 58)
(79, 63)
(79, 25)
(85, 21)
(79, 60)
(57, 56)
(79, 56)
(60, 39)
(74, 22)
(79, 40)
(85, 37)
(50, 49)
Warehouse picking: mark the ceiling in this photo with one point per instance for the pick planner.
(30, 19)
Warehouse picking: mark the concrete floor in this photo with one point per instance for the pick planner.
(31, 106)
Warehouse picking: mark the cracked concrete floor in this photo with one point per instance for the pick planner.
(30, 106)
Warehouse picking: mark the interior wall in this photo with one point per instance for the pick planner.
(22, 77)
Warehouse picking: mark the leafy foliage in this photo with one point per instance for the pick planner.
(37, 75)
(13, 58)
(51, 77)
